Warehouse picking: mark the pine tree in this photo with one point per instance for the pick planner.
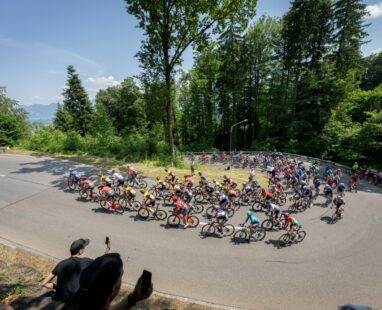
(349, 35)
(77, 103)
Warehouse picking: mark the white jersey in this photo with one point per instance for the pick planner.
(117, 176)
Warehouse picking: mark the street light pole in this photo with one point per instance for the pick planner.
(230, 136)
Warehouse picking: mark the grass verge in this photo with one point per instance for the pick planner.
(22, 271)
(152, 169)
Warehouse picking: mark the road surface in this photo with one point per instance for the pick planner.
(334, 265)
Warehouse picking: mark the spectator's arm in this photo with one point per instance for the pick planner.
(48, 282)
(129, 301)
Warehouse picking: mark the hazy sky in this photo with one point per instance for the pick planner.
(40, 38)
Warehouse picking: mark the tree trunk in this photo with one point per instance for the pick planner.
(169, 115)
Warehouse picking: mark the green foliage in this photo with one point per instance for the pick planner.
(77, 112)
(372, 76)
(13, 123)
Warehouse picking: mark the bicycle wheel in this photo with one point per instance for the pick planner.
(142, 184)
(193, 221)
(208, 229)
(198, 208)
(211, 211)
(283, 201)
(72, 184)
(161, 215)
(173, 220)
(143, 213)
(105, 204)
(259, 234)
(135, 205)
(240, 236)
(230, 212)
(267, 224)
(257, 206)
(228, 230)
(117, 190)
(199, 198)
(284, 240)
(122, 202)
(300, 236)
(283, 224)
(83, 193)
(118, 208)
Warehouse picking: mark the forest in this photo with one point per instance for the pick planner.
(301, 82)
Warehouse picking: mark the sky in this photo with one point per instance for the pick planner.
(40, 38)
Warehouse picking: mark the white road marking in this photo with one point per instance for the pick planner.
(2, 175)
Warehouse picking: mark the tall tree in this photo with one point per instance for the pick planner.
(350, 34)
(13, 120)
(171, 26)
(77, 103)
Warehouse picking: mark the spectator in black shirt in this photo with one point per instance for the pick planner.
(68, 272)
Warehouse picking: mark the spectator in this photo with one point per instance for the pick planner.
(100, 283)
(192, 166)
(68, 272)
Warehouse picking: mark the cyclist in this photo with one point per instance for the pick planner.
(129, 191)
(170, 176)
(187, 194)
(293, 223)
(105, 179)
(275, 212)
(223, 200)
(355, 167)
(87, 184)
(221, 218)
(160, 184)
(181, 209)
(267, 196)
(107, 192)
(317, 184)
(178, 191)
(203, 179)
(341, 189)
(254, 222)
(338, 202)
(74, 175)
(308, 193)
(132, 173)
(188, 180)
(148, 200)
(354, 179)
(119, 178)
(328, 191)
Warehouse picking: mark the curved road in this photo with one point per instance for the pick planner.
(334, 265)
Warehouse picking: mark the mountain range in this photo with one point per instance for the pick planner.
(40, 112)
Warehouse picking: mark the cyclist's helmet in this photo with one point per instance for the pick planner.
(263, 191)
(83, 178)
(158, 178)
(112, 171)
(177, 188)
(142, 190)
(286, 214)
(249, 213)
(174, 198)
(199, 173)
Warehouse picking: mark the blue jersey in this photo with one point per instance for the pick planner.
(253, 219)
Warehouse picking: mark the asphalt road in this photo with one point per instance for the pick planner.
(334, 265)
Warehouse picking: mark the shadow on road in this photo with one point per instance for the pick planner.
(326, 219)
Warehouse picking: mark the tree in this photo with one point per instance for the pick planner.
(349, 35)
(123, 105)
(13, 120)
(77, 103)
(63, 120)
(372, 76)
(171, 26)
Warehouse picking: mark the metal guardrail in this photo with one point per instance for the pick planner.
(4, 148)
(322, 162)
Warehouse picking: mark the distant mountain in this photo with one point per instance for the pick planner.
(40, 112)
